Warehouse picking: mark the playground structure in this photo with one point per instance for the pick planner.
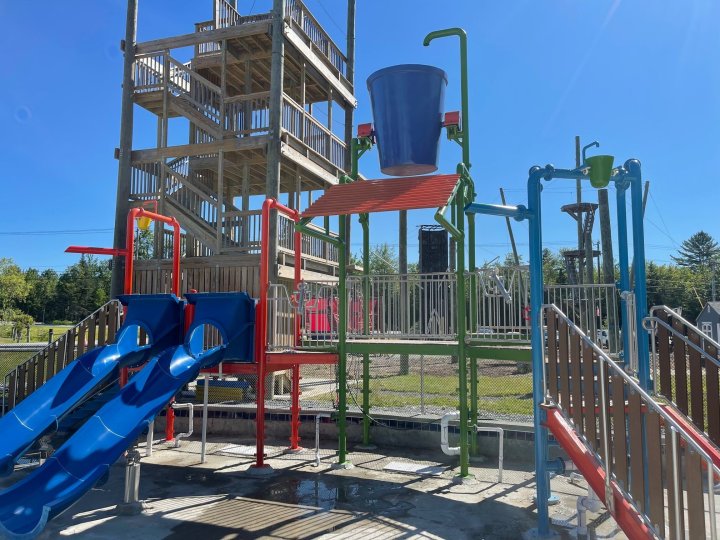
(633, 427)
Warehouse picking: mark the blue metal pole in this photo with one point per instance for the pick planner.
(542, 477)
(517, 212)
(635, 176)
(620, 193)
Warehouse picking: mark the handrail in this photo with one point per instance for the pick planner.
(687, 323)
(70, 332)
(677, 334)
(630, 381)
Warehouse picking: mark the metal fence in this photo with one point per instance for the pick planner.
(502, 304)
(400, 386)
(593, 308)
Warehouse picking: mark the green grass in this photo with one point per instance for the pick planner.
(38, 333)
(507, 394)
(507, 385)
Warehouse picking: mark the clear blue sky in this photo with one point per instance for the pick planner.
(642, 77)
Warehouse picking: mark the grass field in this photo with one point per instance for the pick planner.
(38, 332)
(506, 394)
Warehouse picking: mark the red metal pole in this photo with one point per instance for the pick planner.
(625, 515)
(268, 205)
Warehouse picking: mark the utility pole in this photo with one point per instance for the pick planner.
(122, 200)
(578, 190)
(608, 273)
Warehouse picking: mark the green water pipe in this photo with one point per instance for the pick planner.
(473, 321)
(365, 223)
(465, 132)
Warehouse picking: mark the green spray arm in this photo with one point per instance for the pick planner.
(459, 32)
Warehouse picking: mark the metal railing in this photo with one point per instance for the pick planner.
(643, 451)
(404, 306)
(502, 304)
(317, 307)
(308, 130)
(96, 329)
(590, 306)
(686, 368)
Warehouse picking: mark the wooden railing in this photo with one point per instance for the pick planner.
(311, 247)
(248, 114)
(193, 199)
(687, 369)
(97, 329)
(297, 12)
(638, 449)
(308, 130)
(225, 14)
(241, 231)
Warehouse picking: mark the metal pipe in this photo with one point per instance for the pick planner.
(519, 212)
(317, 436)
(150, 438)
(676, 487)
(620, 193)
(191, 417)
(711, 500)
(444, 438)
(542, 480)
(206, 391)
(460, 33)
(640, 287)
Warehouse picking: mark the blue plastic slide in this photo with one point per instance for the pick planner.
(87, 456)
(161, 316)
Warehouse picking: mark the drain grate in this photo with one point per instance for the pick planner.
(414, 468)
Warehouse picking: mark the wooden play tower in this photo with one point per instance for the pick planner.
(266, 102)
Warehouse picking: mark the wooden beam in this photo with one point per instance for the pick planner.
(318, 64)
(228, 145)
(308, 164)
(186, 40)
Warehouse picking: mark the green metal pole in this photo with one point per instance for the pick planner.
(342, 337)
(473, 321)
(460, 33)
(365, 222)
(461, 331)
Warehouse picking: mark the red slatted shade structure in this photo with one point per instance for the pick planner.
(410, 193)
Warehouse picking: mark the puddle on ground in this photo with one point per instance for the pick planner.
(192, 477)
(341, 494)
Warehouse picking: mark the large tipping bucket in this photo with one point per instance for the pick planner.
(408, 103)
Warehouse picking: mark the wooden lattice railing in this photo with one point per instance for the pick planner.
(97, 329)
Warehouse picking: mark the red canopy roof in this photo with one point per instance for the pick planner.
(384, 195)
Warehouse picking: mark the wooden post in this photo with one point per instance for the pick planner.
(272, 181)
(608, 264)
(122, 201)
(578, 189)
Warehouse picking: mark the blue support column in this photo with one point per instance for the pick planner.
(542, 477)
(640, 287)
(621, 188)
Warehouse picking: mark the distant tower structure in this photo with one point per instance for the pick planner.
(265, 103)
(579, 263)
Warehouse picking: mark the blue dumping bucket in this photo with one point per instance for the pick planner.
(407, 103)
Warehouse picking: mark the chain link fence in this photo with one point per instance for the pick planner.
(404, 386)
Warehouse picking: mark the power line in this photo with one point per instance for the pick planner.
(55, 232)
(342, 30)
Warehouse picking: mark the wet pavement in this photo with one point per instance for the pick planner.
(220, 500)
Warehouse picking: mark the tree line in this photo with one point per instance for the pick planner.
(32, 295)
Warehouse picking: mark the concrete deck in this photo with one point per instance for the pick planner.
(219, 499)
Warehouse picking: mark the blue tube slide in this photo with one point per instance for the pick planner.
(86, 457)
(161, 316)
